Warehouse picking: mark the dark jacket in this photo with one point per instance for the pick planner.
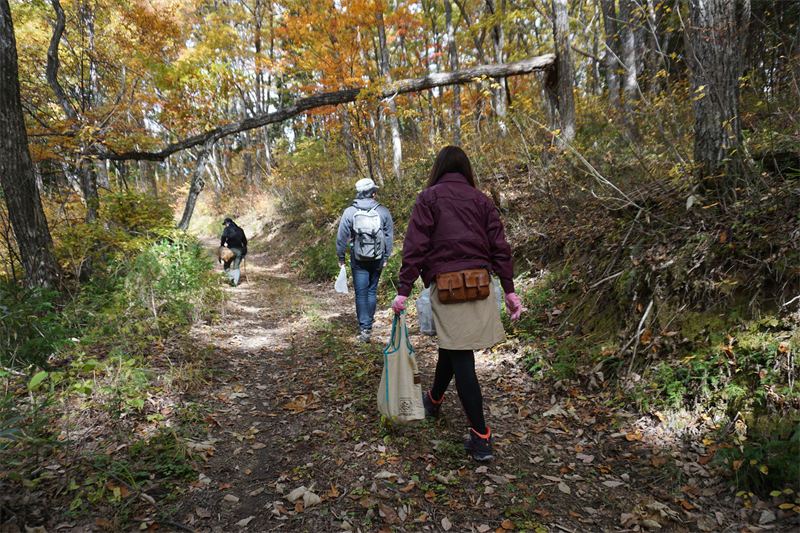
(453, 227)
(234, 236)
(345, 232)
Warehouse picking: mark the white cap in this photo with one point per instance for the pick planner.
(365, 184)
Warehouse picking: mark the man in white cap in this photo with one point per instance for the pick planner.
(366, 234)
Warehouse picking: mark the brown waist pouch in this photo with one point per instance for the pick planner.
(463, 286)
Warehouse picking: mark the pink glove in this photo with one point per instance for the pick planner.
(513, 307)
(399, 304)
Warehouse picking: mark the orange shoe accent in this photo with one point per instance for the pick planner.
(488, 433)
(434, 401)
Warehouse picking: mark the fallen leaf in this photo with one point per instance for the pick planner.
(385, 475)
(501, 480)
(446, 525)
(563, 487)
(310, 499)
(244, 522)
(446, 480)
(704, 525)
(573, 513)
(281, 509)
(231, 498)
(296, 494)
(508, 525)
(635, 436)
(612, 484)
(483, 528)
(256, 492)
(658, 461)
(388, 513)
(258, 446)
(333, 493)
(703, 459)
(202, 513)
(651, 524)
(627, 519)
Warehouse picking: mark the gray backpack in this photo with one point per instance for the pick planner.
(368, 242)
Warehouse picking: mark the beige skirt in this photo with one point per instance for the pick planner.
(471, 325)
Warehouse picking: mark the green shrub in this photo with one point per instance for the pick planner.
(171, 281)
(170, 284)
(764, 463)
(131, 220)
(30, 329)
(318, 259)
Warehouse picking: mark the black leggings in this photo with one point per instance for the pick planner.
(460, 363)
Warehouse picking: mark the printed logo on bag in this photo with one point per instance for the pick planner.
(368, 243)
(406, 406)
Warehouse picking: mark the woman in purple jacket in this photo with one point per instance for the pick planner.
(455, 227)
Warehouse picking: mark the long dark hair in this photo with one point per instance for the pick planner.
(450, 159)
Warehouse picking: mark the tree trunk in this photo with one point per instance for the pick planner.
(628, 55)
(612, 54)
(715, 67)
(564, 78)
(85, 165)
(453, 50)
(397, 146)
(16, 170)
(349, 145)
(498, 42)
(196, 186)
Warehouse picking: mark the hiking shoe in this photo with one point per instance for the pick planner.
(363, 336)
(431, 407)
(480, 446)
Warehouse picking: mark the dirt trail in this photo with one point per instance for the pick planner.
(297, 445)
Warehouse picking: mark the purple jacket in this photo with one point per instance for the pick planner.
(453, 227)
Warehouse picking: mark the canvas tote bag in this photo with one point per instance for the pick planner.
(400, 391)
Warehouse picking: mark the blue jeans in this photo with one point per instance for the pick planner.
(365, 284)
(237, 258)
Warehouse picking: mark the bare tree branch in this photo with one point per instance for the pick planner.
(460, 77)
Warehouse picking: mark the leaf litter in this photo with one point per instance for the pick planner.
(292, 407)
(563, 461)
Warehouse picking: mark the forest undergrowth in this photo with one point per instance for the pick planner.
(683, 304)
(666, 299)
